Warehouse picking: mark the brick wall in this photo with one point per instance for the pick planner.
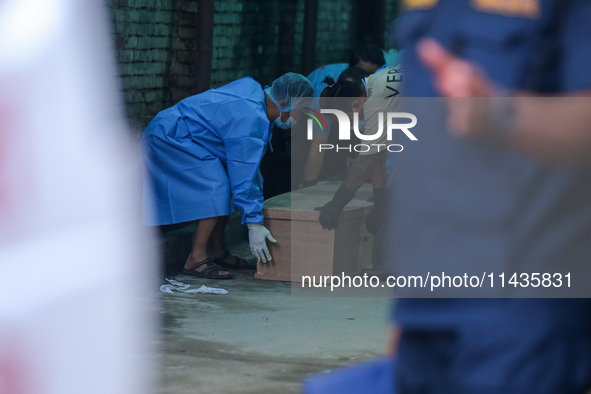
(391, 14)
(155, 41)
(181, 78)
(336, 35)
(245, 40)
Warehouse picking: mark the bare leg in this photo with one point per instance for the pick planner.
(205, 228)
(215, 247)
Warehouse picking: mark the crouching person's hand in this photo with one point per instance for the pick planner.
(258, 236)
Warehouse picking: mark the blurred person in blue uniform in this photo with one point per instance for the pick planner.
(201, 159)
(498, 198)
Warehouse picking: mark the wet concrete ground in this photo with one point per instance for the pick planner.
(259, 339)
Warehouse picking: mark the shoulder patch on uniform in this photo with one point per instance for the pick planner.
(419, 4)
(511, 8)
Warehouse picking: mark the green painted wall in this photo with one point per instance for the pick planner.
(259, 38)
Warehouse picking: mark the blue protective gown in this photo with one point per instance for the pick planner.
(330, 70)
(202, 152)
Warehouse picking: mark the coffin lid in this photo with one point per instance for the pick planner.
(300, 204)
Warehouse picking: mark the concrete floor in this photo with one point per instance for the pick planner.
(259, 339)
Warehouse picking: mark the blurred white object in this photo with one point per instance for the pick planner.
(76, 321)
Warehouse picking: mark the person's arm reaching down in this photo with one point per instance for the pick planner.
(362, 168)
(315, 160)
(244, 155)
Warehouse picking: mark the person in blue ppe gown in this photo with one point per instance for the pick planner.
(496, 196)
(201, 159)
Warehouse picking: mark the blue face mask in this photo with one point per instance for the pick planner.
(279, 123)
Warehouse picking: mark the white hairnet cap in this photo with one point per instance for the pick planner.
(287, 86)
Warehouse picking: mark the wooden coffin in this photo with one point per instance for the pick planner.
(304, 247)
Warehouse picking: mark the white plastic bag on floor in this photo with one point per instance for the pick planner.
(176, 286)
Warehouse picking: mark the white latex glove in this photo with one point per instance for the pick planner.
(258, 236)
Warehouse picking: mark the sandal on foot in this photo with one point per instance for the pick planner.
(209, 272)
(241, 264)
